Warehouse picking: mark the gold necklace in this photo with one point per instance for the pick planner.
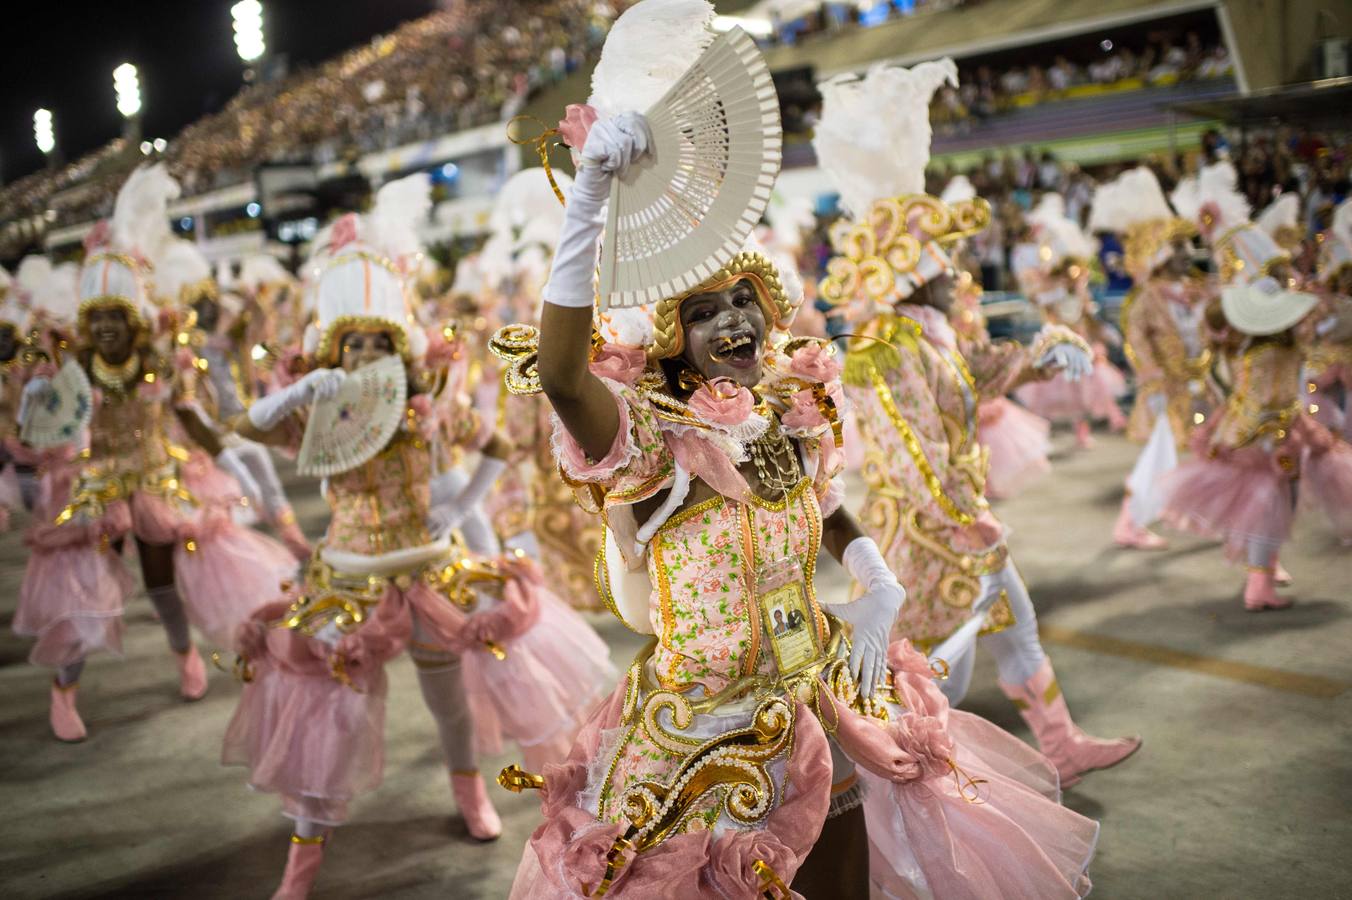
(775, 461)
(114, 376)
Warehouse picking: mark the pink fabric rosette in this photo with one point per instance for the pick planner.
(576, 124)
(816, 362)
(722, 402)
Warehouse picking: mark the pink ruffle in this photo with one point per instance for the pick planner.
(209, 484)
(71, 600)
(1236, 496)
(1019, 444)
(301, 731)
(1326, 483)
(567, 852)
(573, 459)
(541, 693)
(1059, 398)
(224, 578)
(989, 828)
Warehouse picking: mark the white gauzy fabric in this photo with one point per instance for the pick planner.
(1159, 458)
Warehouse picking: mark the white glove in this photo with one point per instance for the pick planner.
(321, 384)
(1073, 362)
(230, 460)
(611, 146)
(35, 391)
(473, 524)
(872, 615)
(991, 586)
(1157, 403)
(442, 520)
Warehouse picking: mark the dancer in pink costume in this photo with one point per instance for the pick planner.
(1055, 276)
(198, 566)
(735, 756)
(498, 655)
(1329, 368)
(916, 388)
(1162, 322)
(1263, 449)
(218, 335)
(1018, 442)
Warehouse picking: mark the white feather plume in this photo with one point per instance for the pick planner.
(958, 190)
(789, 218)
(400, 207)
(527, 210)
(1284, 212)
(649, 48)
(873, 138)
(1059, 234)
(1341, 225)
(178, 264)
(140, 222)
(51, 289)
(261, 269)
(1132, 198)
(1212, 190)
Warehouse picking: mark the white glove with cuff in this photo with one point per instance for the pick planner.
(321, 384)
(872, 615)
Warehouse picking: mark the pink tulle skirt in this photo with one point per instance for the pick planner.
(11, 496)
(307, 736)
(1239, 496)
(228, 575)
(71, 600)
(1019, 444)
(545, 688)
(1060, 399)
(1326, 484)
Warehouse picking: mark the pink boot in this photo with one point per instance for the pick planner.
(472, 797)
(302, 867)
(1073, 752)
(192, 674)
(1083, 439)
(1126, 533)
(291, 535)
(64, 717)
(1260, 591)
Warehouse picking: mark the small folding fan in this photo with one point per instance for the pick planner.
(65, 411)
(678, 215)
(358, 422)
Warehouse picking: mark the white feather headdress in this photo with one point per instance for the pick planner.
(1281, 218)
(392, 224)
(873, 138)
(650, 46)
(1133, 198)
(262, 269)
(180, 270)
(1211, 201)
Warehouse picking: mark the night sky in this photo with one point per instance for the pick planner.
(61, 55)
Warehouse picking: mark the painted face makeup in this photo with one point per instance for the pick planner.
(725, 333)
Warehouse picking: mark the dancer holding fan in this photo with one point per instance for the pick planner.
(199, 566)
(498, 655)
(764, 737)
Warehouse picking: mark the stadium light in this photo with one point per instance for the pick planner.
(248, 25)
(43, 132)
(127, 84)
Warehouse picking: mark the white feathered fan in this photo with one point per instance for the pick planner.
(679, 214)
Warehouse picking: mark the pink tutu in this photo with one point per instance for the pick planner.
(11, 496)
(1019, 444)
(74, 588)
(1236, 496)
(1060, 399)
(208, 483)
(1326, 483)
(227, 573)
(304, 733)
(955, 807)
(541, 693)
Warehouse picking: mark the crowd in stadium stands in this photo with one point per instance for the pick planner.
(794, 20)
(436, 75)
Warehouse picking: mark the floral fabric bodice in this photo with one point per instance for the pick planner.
(914, 398)
(381, 506)
(1266, 397)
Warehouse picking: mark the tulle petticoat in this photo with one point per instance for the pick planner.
(71, 600)
(1093, 396)
(1019, 444)
(545, 688)
(956, 808)
(1326, 484)
(1239, 496)
(309, 737)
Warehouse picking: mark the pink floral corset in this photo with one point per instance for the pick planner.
(703, 564)
(381, 506)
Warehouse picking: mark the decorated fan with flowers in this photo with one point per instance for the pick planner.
(681, 212)
(358, 422)
(64, 412)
